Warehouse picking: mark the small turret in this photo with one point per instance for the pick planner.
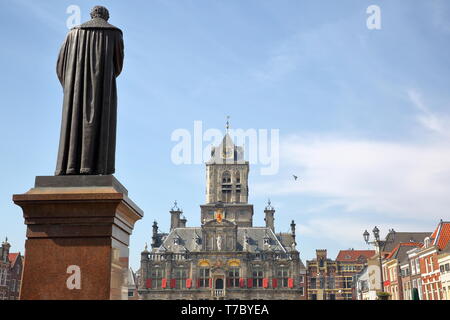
(5, 250)
(175, 214)
(293, 230)
(183, 222)
(155, 240)
(269, 212)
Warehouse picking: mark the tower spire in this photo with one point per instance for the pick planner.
(227, 126)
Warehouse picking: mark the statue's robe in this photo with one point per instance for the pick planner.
(89, 61)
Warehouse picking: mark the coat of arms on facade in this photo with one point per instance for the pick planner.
(219, 215)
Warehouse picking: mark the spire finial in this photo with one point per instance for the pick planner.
(175, 206)
(146, 246)
(269, 205)
(228, 124)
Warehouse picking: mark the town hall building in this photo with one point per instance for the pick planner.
(226, 257)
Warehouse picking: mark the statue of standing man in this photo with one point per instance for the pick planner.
(89, 61)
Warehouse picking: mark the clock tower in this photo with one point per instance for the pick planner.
(227, 184)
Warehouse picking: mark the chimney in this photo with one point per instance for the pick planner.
(182, 223)
(175, 213)
(293, 229)
(269, 212)
(5, 250)
(155, 235)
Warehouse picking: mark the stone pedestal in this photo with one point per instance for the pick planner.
(78, 233)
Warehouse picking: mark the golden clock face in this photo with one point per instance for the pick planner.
(228, 153)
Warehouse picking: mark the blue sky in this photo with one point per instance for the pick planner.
(363, 114)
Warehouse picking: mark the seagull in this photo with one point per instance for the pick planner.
(295, 177)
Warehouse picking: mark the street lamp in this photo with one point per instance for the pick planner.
(366, 236)
(376, 233)
(379, 244)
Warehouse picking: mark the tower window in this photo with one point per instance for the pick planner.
(226, 177)
(237, 176)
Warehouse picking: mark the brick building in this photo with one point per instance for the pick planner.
(395, 277)
(429, 264)
(333, 279)
(226, 257)
(10, 272)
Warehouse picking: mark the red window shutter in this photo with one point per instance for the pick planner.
(274, 282)
(290, 283)
(249, 283)
(188, 283)
(198, 283)
(164, 283)
(242, 282)
(148, 283)
(210, 282)
(265, 283)
(228, 283)
(173, 283)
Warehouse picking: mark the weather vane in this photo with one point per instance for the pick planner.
(228, 123)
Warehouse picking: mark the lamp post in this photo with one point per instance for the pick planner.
(378, 243)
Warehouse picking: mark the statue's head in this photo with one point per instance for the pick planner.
(100, 12)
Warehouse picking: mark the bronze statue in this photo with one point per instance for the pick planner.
(89, 61)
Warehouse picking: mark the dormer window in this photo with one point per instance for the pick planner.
(266, 241)
(176, 241)
(427, 242)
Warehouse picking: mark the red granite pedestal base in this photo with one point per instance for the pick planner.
(78, 233)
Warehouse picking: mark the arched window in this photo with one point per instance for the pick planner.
(237, 180)
(226, 177)
(237, 176)
(321, 263)
(226, 186)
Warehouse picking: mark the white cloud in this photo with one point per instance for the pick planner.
(403, 180)
(437, 123)
(347, 231)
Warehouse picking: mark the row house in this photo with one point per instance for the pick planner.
(415, 277)
(429, 255)
(333, 279)
(392, 269)
(11, 265)
(444, 269)
(396, 270)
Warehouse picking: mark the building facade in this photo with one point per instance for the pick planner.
(429, 264)
(334, 279)
(444, 269)
(226, 257)
(415, 273)
(11, 265)
(396, 273)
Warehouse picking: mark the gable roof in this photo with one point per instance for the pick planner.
(399, 252)
(187, 240)
(353, 255)
(441, 236)
(13, 258)
(394, 238)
